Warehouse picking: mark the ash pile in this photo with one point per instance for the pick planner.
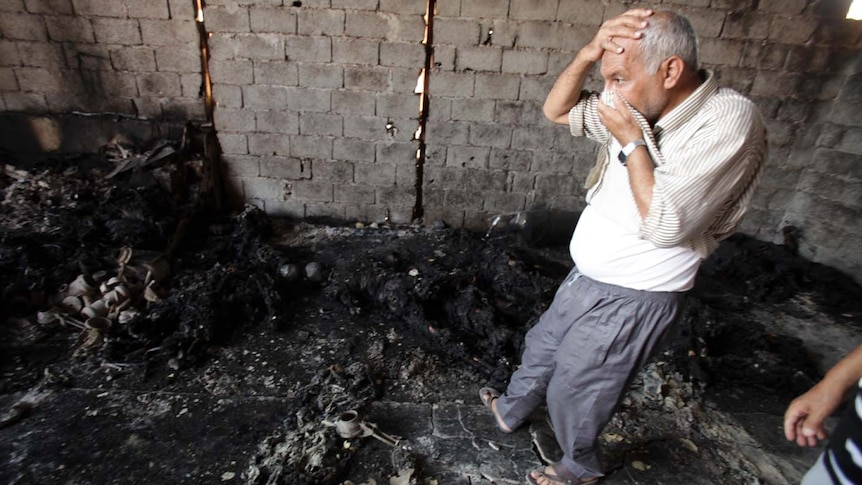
(118, 273)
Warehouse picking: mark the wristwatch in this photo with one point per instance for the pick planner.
(628, 149)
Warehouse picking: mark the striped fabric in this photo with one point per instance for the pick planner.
(709, 152)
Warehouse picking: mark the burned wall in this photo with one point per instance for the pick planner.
(107, 66)
(317, 108)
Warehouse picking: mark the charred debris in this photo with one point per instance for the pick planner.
(117, 267)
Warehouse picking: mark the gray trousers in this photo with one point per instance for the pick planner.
(580, 358)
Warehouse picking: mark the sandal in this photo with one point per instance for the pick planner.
(561, 475)
(488, 395)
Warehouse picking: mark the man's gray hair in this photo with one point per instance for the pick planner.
(668, 34)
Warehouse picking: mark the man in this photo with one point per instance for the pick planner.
(676, 170)
(803, 422)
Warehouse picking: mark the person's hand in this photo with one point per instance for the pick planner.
(627, 25)
(803, 420)
(619, 120)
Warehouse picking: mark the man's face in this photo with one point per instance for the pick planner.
(626, 74)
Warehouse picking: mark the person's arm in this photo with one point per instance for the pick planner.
(567, 88)
(803, 420)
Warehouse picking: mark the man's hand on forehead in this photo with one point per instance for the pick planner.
(628, 25)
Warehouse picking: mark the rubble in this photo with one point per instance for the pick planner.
(115, 280)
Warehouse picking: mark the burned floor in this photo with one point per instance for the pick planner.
(147, 337)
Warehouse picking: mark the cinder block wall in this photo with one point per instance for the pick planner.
(73, 73)
(316, 107)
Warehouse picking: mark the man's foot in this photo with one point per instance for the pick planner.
(489, 397)
(556, 474)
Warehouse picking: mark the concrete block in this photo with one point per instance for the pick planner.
(403, 6)
(320, 22)
(467, 156)
(485, 9)
(365, 127)
(353, 149)
(572, 38)
(403, 80)
(52, 7)
(276, 121)
(472, 109)
(405, 176)
(227, 96)
(234, 166)
(135, 59)
(169, 33)
(793, 111)
(402, 54)
(807, 59)
(268, 144)
(353, 102)
(60, 29)
(746, 25)
(445, 178)
(456, 31)
(8, 82)
(264, 97)
(792, 30)
(406, 28)
(148, 9)
(452, 84)
(264, 188)
(284, 168)
(318, 147)
(435, 155)
(276, 73)
(236, 120)
(39, 54)
(821, 88)
(497, 86)
(183, 109)
(533, 9)
(261, 46)
(509, 160)
(444, 58)
(163, 84)
(447, 132)
(90, 57)
(771, 56)
(25, 102)
(273, 20)
(315, 49)
(519, 113)
(116, 31)
(838, 34)
(735, 5)
(484, 181)
(479, 58)
(9, 53)
(227, 20)
(337, 172)
(525, 62)
(535, 88)
(396, 153)
(233, 143)
(321, 76)
(552, 162)
(721, 52)
(347, 50)
(543, 35)
(104, 8)
(312, 190)
(499, 32)
(40, 80)
(706, 22)
(374, 174)
(368, 24)
(182, 9)
(325, 210)
(490, 135)
(584, 12)
(689, 3)
(396, 197)
(366, 78)
(320, 124)
(775, 84)
(398, 105)
(307, 99)
(355, 4)
(179, 60)
(355, 194)
(239, 72)
(463, 200)
(533, 138)
(503, 202)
